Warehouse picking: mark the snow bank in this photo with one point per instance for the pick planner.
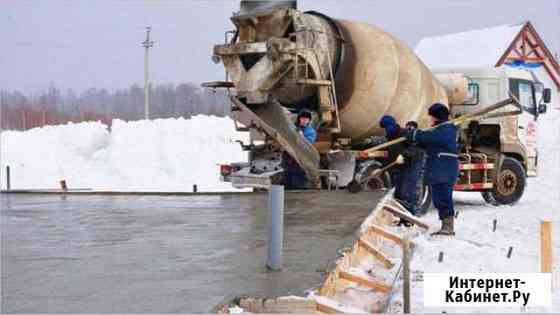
(477, 249)
(156, 155)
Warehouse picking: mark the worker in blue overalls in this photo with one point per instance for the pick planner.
(408, 158)
(442, 164)
(295, 177)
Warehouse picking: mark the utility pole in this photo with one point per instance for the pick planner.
(147, 44)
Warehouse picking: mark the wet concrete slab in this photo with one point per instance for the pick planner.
(164, 254)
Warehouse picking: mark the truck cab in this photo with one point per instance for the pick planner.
(489, 144)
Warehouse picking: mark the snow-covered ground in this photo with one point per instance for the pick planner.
(156, 155)
(477, 249)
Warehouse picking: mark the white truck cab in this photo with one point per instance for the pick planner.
(516, 135)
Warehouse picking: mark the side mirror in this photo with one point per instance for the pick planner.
(547, 95)
(542, 108)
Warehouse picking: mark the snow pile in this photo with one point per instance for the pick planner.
(156, 155)
(476, 248)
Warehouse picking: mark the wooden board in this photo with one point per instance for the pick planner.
(546, 246)
(377, 253)
(278, 305)
(386, 234)
(327, 305)
(361, 280)
(405, 216)
(323, 308)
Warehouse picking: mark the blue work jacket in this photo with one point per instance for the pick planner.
(442, 164)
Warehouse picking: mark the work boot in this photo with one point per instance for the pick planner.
(446, 227)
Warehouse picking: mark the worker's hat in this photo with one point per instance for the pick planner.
(439, 111)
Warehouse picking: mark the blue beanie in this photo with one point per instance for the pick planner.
(304, 113)
(389, 124)
(439, 112)
(386, 121)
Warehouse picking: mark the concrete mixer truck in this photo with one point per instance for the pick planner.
(280, 60)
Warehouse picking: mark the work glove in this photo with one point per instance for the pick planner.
(364, 155)
(400, 159)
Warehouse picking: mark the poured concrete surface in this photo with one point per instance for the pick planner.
(136, 254)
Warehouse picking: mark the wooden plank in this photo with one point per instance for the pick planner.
(278, 305)
(377, 253)
(323, 308)
(314, 82)
(361, 280)
(406, 276)
(386, 234)
(405, 216)
(330, 306)
(546, 247)
(535, 59)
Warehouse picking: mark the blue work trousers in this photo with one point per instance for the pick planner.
(442, 196)
(406, 185)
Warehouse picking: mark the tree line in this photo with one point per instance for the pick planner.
(166, 101)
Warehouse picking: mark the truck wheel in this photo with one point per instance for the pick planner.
(376, 183)
(510, 183)
(424, 200)
(354, 187)
(379, 182)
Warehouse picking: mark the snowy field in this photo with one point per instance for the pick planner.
(157, 155)
(477, 249)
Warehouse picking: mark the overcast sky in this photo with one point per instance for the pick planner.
(79, 44)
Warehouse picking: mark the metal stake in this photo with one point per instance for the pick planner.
(8, 177)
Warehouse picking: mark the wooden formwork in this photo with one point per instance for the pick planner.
(362, 279)
(371, 266)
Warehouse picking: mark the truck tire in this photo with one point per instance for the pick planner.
(510, 184)
(382, 181)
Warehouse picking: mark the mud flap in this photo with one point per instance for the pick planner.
(271, 118)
